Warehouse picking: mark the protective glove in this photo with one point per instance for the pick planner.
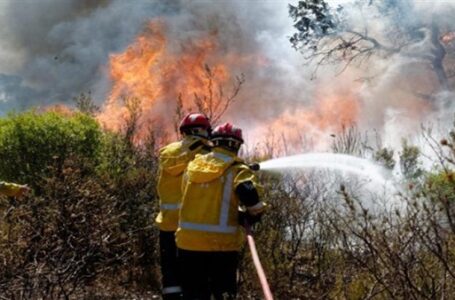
(250, 219)
(254, 166)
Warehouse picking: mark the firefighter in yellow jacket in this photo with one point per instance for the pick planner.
(173, 160)
(13, 189)
(210, 234)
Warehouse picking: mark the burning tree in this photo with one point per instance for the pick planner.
(162, 73)
(350, 33)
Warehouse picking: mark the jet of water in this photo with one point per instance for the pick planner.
(333, 161)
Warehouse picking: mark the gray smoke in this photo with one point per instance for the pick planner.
(52, 50)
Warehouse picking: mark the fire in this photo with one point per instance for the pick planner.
(59, 109)
(155, 74)
(309, 127)
(448, 37)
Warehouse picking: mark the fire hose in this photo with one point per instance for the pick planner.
(257, 263)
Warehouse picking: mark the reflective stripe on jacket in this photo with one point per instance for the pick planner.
(9, 189)
(209, 212)
(173, 160)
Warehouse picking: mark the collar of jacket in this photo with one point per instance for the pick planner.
(225, 152)
(189, 139)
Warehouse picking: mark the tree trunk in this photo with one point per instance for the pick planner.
(439, 53)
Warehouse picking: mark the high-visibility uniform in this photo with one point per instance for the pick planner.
(173, 160)
(9, 189)
(209, 212)
(209, 234)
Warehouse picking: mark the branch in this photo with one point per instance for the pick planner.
(451, 73)
(239, 81)
(375, 42)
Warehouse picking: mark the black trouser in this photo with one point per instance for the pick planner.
(208, 273)
(169, 266)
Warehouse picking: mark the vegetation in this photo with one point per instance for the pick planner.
(89, 222)
(35, 146)
(87, 231)
(338, 35)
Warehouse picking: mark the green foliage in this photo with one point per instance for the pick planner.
(90, 220)
(313, 20)
(409, 161)
(34, 146)
(442, 186)
(385, 157)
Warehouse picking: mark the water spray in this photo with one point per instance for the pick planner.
(333, 161)
(339, 162)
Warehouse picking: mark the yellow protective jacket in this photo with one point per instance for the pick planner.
(209, 212)
(9, 189)
(173, 160)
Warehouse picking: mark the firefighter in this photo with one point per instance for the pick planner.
(13, 189)
(173, 160)
(210, 234)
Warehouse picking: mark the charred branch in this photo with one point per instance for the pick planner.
(439, 53)
(214, 102)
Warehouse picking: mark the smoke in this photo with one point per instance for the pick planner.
(402, 91)
(257, 32)
(54, 50)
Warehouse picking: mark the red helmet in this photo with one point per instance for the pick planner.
(227, 130)
(194, 120)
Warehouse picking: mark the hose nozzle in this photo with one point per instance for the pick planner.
(254, 166)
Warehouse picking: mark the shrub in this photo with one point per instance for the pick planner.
(89, 223)
(33, 145)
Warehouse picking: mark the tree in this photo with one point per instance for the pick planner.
(330, 35)
(85, 104)
(213, 101)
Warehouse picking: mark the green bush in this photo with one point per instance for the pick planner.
(32, 145)
(89, 234)
(441, 186)
(89, 222)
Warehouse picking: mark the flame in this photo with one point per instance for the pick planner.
(156, 75)
(59, 109)
(157, 71)
(309, 127)
(153, 74)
